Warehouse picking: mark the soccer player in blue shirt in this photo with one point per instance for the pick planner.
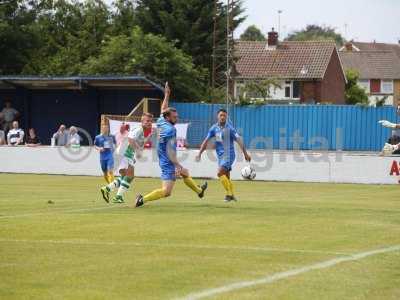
(169, 164)
(105, 144)
(224, 136)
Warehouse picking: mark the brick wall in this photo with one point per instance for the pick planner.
(396, 92)
(310, 91)
(333, 84)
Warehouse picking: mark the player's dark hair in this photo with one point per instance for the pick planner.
(168, 112)
(222, 110)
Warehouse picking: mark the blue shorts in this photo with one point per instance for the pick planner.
(226, 164)
(168, 172)
(107, 165)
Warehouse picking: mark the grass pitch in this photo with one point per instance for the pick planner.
(80, 248)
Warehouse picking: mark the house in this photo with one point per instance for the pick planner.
(309, 72)
(378, 65)
(363, 46)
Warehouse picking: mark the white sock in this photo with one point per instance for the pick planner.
(124, 186)
(113, 185)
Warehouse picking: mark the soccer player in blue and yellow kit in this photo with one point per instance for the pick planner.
(105, 144)
(224, 136)
(166, 149)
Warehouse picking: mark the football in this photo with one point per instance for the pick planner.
(248, 173)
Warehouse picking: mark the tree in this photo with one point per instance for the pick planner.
(69, 33)
(252, 33)
(123, 17)
(354, 93)
(68, 37)
(17, 37)
(152, 55)
(316, 33)
(189, 24)
(258, 91)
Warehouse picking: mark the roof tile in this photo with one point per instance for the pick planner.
(291, 60)
(372, 64)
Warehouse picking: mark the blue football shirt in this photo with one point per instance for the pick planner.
(108, 143)
(166, 142)
(225, 137)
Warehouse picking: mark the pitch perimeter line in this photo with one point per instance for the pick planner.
(59, 210)
(169, 245)
(286, 274)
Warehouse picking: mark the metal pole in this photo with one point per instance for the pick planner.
(279, 22)
(228, 15)
(214, 52)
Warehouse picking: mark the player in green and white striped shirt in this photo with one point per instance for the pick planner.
(128, 150)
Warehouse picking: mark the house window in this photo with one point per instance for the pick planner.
(364, 83)
(288, 89)
(240, 89)
(292, 89)
(296, 89)
(387, 87)
(375, 86)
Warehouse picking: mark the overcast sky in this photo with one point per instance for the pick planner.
(366, 20)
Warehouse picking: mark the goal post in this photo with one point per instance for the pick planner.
(146, 105)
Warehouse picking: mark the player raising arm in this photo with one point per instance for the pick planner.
(166, 150)
(225, 136)
(129, 149)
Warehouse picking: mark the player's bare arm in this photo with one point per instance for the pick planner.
(135, 145)
(100, 149)
(242, 147)
(167, 93)
(203, 148)
(174, 159)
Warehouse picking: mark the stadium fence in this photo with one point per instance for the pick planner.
(295, 127)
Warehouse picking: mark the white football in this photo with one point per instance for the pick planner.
(248, 173)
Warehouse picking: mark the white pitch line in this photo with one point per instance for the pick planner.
(286, 274)
(57, 211)
(169, 245)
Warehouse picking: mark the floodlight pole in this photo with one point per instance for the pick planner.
(228, 52)
(279, 22)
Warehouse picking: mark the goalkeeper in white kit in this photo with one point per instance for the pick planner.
(128, 150)
(393, 146)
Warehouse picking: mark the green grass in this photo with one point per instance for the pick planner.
(81, 248)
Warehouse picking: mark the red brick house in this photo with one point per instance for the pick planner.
(309, 72)
(378, 66)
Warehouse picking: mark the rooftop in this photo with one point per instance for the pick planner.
(372, 64)
(78, 82)
(362, 46)
(290, 60)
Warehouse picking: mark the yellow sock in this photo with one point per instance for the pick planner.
(230, 187)
(192, 184)
(226, 183)
(106, 177)
(154, 195)
(110, 177)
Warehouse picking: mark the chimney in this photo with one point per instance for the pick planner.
(272, 38)
(349, 46)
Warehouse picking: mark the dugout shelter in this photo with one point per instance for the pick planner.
(47, 102)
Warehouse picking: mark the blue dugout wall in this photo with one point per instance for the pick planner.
(331, 127)
(45, 110)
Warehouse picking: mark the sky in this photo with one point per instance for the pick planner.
(367, 20)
